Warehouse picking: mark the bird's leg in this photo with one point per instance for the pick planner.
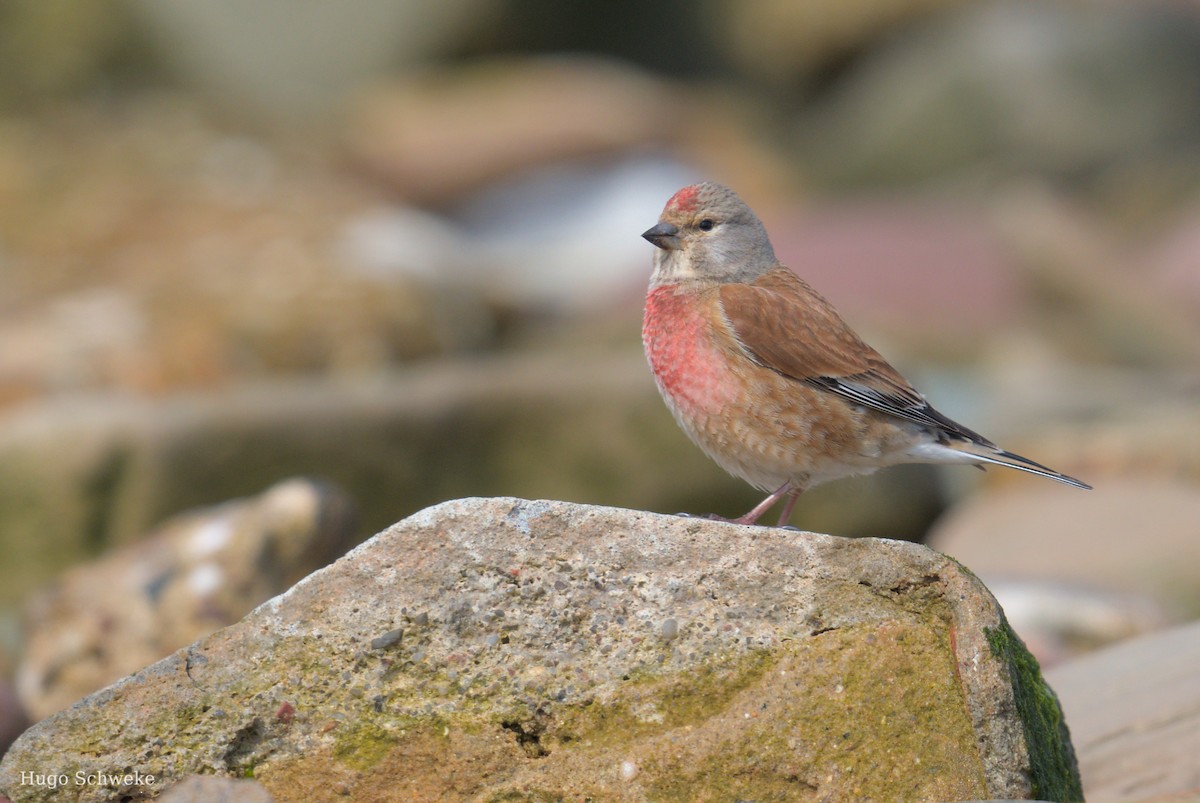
(786, 514)
(762, 507)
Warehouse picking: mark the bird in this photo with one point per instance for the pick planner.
(764, 375)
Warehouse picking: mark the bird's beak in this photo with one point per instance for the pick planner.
(664, 235)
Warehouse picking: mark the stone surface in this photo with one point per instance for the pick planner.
(500, 649)
(200, 571)
(1134, 710)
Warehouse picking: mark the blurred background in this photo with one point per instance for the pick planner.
(393, 248)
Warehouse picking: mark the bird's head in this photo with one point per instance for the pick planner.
(706, 233)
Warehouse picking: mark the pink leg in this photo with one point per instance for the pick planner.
(792, 496)
(762, 507)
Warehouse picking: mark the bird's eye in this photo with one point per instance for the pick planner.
(706, 224)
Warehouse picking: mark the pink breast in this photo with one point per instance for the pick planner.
(690, 370)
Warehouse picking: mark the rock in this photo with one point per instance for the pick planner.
(198, 572)
(536, 660)
(215, 789)
(1130, 536)
(1134, 710)
(301, 60)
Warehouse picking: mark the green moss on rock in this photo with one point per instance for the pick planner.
(875, 716)
(363, 744)
(1051, 756)
(654, 703)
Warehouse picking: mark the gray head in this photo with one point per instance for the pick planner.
(707, 233)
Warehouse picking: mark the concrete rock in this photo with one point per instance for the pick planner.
(502, 648)
(1135, 716)
(198, 572)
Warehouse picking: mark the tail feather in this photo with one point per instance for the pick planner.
(999, 457)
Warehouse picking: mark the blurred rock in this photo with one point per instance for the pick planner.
(13, 719)
(1134, 710)
(498, 648)
(1014, 87)
(216, 789)
(441, 137)
(438, 137)
(299, 58)
(1133, 536)
(1085, 292)
(195, 574)
(181, 254)
(784, 42)
(77, 340)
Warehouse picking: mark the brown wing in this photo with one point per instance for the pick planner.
(785, 325)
